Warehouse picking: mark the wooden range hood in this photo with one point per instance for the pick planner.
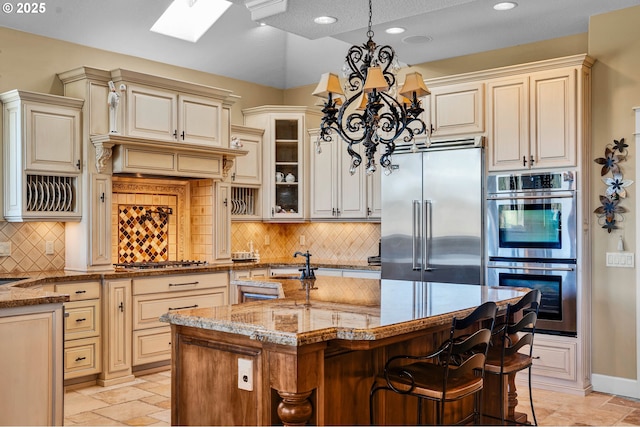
(140, 156)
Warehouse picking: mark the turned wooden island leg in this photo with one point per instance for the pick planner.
(295, 373)
(295, 409)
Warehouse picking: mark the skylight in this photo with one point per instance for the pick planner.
(190, 19)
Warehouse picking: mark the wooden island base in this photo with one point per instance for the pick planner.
(325, 383)
(311, 357)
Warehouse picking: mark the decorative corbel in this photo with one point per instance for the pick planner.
(103, 154)
(227, 164)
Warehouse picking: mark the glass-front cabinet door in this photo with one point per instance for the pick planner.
(285, 158)
(287, 176)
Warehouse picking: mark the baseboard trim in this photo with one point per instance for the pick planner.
(616, 385)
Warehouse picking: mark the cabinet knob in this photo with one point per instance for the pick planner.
(78, 164)
(102, 198)
(82, 319)
(121, 307)
(182, 135)
(524, 161)
(175, 134)
(78, 359)
(531, 160)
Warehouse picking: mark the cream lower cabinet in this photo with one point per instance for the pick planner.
(155, 296)
(117, 309)
(31, 365)
(82, 329)
(335, 192)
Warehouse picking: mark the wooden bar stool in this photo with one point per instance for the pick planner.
(504, 358)
(454, 371)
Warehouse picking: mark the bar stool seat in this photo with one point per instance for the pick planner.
(512, 363)
(452, 372)
(507, 356)
(428, 380)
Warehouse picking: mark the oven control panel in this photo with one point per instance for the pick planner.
(552, 181)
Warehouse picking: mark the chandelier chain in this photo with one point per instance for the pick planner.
(370, 31)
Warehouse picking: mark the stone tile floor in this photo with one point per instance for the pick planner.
(146, 401)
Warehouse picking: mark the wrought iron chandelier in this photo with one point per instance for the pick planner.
(372, 113)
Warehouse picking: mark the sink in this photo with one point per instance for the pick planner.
(14, 279)
(285, 277)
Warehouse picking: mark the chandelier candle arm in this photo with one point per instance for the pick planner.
(369, 114)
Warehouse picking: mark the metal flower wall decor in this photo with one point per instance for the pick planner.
(610, 212)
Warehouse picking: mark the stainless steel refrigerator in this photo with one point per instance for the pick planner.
(432, 214)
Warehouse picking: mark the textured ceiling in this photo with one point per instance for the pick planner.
(291, 50)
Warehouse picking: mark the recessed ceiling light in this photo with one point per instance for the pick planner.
(189, 19)
(507, 5)
(395, 30)
(416, 39)
(325, 20)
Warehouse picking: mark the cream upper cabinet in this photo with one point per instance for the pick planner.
(456, 109)
(247, 169)
(532, 120)
(222, 221)
(508, 122)
(41, 156)
(285, 158)
(335, 193)
(169, 116)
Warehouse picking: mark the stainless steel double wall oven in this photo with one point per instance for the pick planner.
(531, 241)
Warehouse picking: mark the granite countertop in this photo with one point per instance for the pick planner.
(36, 282)
(344, 308)
(19, 297)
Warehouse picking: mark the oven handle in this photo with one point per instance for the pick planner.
(554, 196)
(414, 233)
(506, 267)
(428, 235)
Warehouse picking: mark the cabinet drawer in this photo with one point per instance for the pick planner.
(80, 290)
(151, 345)
(82, 320)
(177, 283)
(554, 359)
(82, 357)
(148, 308)
(200, 165)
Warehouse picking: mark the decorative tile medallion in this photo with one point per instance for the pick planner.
(143, 234)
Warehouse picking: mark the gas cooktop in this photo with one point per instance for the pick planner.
(152, 265)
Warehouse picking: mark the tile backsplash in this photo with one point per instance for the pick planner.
(139, 232)
(327, 241)
(28, 243)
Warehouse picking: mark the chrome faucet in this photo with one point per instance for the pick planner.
(307, 271)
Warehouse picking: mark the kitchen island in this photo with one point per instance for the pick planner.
(311, 356)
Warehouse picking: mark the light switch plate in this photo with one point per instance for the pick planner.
(5, 248)
(621, 259)
(48, 247)
(245, 374)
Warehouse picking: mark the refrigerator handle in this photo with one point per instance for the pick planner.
(415, 232)
(427, 235)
